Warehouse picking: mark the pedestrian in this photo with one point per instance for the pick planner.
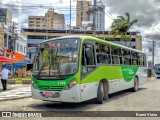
(4, 76)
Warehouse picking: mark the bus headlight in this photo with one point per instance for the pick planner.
(71, 84)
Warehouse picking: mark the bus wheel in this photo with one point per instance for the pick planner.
(105, 88)
(135, 88)
(100, 93)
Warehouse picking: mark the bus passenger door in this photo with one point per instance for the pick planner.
(88, 88)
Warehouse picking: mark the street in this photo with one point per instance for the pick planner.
(146, 99)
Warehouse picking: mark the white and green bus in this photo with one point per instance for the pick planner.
(76, 69)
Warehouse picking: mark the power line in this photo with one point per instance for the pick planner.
(40, 6)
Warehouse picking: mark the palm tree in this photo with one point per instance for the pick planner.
(121, 26)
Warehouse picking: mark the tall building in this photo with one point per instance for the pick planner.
(6, 15)
(82, 15)
(100, 17)
(51, 20)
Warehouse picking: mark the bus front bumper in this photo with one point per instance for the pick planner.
(157, 75)
(72, 95)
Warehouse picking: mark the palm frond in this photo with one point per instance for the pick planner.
(127, 16)
(117, 33)
(133, 22)
(121, 26)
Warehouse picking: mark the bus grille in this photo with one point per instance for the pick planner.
(56, 88)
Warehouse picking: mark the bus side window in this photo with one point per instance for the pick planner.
(88, 59)
(140, 59)
(89, 55)
(103, 53)
(144, 60)
(83, 56)
(134, 58)
(116, 55)
(127, 57)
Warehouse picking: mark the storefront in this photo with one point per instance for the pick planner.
(10, 61)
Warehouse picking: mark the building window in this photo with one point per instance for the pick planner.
(38, 18)
(43, 19)
(17, 46)
(5, 40)
(31, 18)
(31, 25)
(31, 21)
(21, 48)
(24, 50)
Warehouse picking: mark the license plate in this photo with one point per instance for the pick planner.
(48, 94)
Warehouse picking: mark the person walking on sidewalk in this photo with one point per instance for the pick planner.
(4, 76)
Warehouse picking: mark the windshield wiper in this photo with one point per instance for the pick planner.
(58, 67)
(41, 69)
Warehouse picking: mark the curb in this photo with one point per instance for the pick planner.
(9, 81)
(15, 98)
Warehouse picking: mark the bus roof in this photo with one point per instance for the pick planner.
(83, 37)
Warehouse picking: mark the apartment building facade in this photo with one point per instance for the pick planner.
(100, 17)
(51, 20)
(82, 8)
(6, 16)
(85, 15)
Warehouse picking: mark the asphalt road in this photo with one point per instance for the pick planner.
(146, 99)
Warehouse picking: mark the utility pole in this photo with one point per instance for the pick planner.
(153, 43)
(94, 18)
(13, 39)
(81, 15)
(2, 19)
(70, 19)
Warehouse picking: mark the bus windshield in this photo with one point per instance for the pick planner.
(56, 58)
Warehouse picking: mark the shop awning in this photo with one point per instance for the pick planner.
(19, 64)
(7, 60)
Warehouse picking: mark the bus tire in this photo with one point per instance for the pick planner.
(100, 92)
(135, 88)
(105, 87)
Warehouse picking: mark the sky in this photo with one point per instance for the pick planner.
(147, 12)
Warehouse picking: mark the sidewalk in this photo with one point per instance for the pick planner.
(19, 81)
(15, 92)
(151, 78)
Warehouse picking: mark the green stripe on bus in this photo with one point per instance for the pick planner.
(49, 83)
(129, 72)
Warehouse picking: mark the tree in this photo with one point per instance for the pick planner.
(121, 26)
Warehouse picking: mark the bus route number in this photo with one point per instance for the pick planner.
(61, 83)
